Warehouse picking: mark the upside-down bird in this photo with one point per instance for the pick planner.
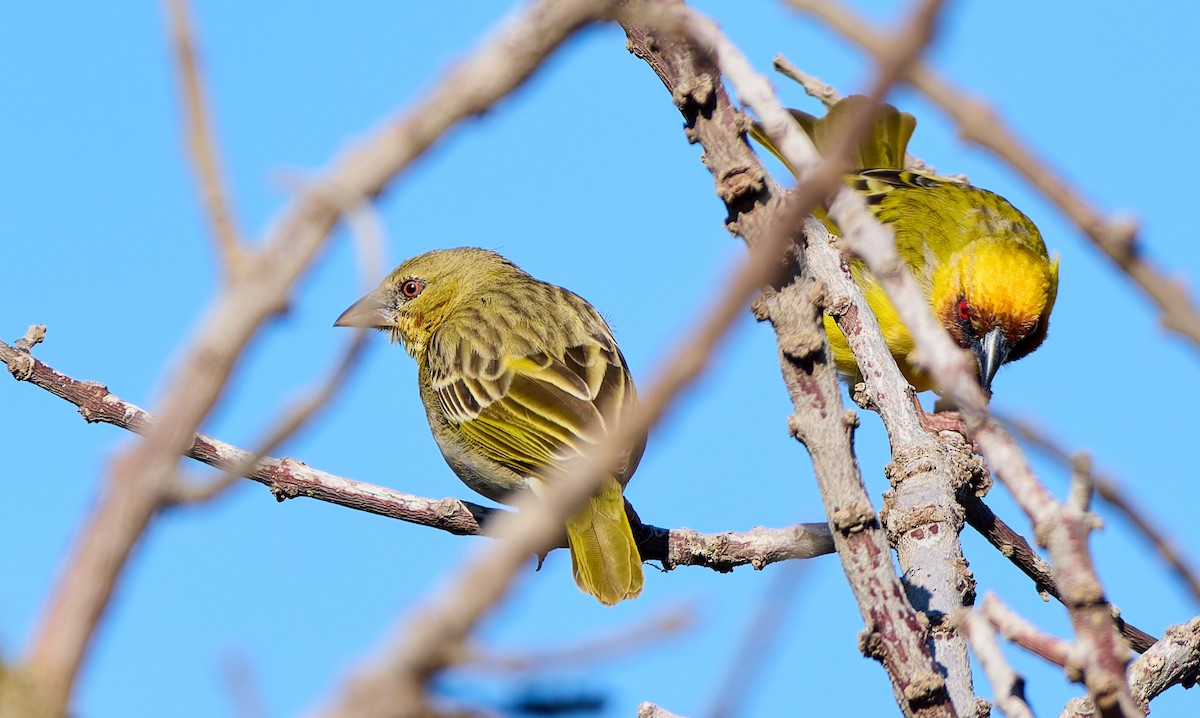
(980, 262)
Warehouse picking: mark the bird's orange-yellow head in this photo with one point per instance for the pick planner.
(995, 297)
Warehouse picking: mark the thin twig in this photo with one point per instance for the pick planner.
(1008, 687)
(1024, 634)
(615, 644)
(202, 148)
(827, 94)
(289, 479)
(979, 123)
(894, 632)
(368, 241)
(138, 481)
(1016, 549)
(1112, 492)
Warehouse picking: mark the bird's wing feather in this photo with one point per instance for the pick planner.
(529, 411)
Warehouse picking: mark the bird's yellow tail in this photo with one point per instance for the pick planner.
(883, 148)
(604, 556)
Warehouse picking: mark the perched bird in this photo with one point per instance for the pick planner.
(980, 262)
(518, 377)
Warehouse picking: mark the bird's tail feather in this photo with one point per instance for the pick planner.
(604, 556)
(883, 148)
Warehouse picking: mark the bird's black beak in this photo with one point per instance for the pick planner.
(370, 312)
(992, 351)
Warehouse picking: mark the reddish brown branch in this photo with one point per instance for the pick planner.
(139, 479)
(1015, 548)
(921, 514)
(977, 122)
(1024, 634)
(1061, 528)
(896, 633)
(1111, 491)
(287, 478)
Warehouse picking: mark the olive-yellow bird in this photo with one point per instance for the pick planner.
(519, 377)
(980, 262)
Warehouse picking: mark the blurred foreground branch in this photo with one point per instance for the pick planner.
(1116, 237)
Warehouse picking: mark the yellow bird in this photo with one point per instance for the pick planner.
(980, 262)
(519, 378)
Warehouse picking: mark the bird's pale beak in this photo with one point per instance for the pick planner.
(992, 351)
(370, 312)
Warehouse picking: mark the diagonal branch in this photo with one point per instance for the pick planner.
(1007, 686)
(1112, 492)
(201, 144)
(756, 213)
(1016, 549)
(978, 123)
(138, 479)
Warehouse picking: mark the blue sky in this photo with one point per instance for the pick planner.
(585, 179)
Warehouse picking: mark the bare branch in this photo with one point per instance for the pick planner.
(978, 123)
(1174, 660)
(1112, 492)
(1061, 530)
(621, 642)
(1027, 636)
(288, 479)
(1007, 687)
(201, 145)
(922, 515)
(139, 478)
(894, 636)
(1015, 548)
(827, 94)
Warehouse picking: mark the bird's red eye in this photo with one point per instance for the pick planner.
(411, 288)
(964, 310)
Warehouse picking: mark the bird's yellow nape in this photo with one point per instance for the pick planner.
(1009, 280)
(996, 288)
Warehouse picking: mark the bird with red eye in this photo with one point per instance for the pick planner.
(411, 288)
(521, 380)
(979, 261)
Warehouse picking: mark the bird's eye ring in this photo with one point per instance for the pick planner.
(411, 288)
(964, 310)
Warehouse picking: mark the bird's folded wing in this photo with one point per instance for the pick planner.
(531, 412)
